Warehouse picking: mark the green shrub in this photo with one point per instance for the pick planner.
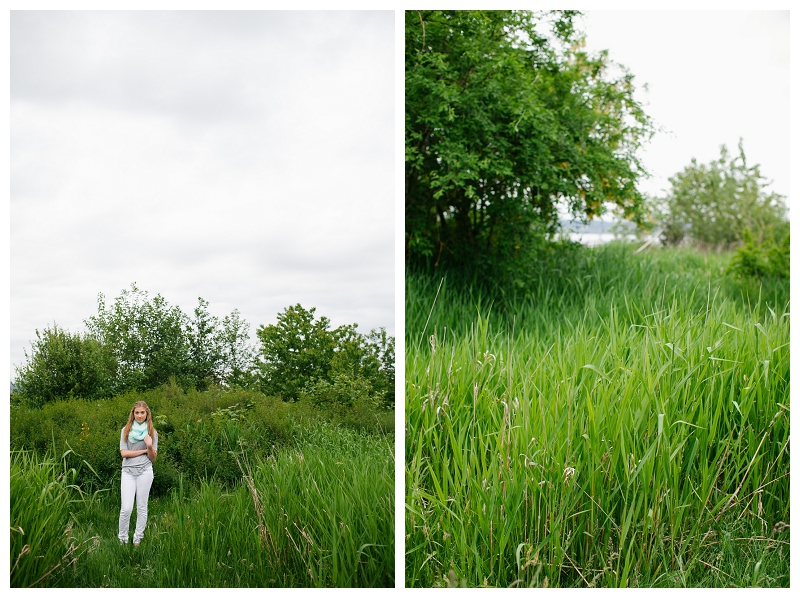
(768, 259)
(342, 390)
(62, 364)
(196, 431)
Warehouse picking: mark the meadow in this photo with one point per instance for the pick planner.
(249, 491)
(623, 424)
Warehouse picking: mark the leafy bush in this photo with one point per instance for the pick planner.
(714, 204)
(342, 391)
(196, 431)
(300, 352)
(62, 364)
(769, 259)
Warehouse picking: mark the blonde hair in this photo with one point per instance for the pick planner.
(150, 429)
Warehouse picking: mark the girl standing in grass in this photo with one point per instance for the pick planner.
(138, 446)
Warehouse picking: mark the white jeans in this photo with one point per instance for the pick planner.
(138, 487)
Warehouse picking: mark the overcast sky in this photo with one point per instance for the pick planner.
(248, 157)
(244, 157)
(712, 77)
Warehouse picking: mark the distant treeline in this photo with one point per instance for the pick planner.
(139, 343)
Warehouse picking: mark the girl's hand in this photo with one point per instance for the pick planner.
(148, 441)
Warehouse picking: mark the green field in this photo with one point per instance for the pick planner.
(626, 424)
(248, 492)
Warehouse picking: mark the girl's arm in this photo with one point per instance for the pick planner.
(151, 451)
(128, 454)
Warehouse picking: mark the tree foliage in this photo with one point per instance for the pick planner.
(219, 350)
(503, 121)
(139, 343)
(303, 356)
(148, 338)
(294, 350)
(714, 204)
(768, 259)
(62, 364)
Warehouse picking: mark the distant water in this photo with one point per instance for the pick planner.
(594, 239)
(597, 232)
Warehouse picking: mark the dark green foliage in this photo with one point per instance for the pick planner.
(295, 351)
(196, 431)
(138, 344)
(502, 124)
(62, 364)
(147, 338)
(302, 356)
(713, 204)
(768, 259)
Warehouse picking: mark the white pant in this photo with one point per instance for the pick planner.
(138, 487)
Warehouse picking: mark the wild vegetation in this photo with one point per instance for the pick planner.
(507, 115)
(720, 203)
(625, 424)
(250, 489)
(139, 343)
(579, 417)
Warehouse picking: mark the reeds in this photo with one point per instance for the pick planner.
(318, 513)
(600, 432)
(41, 497)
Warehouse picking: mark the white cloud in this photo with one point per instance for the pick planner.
(243, 157)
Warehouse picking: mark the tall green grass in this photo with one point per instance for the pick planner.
(625, 426)
(249, 492)
(327, 508)
(42, 494)
(317, 512)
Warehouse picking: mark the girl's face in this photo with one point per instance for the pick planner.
(140, 414)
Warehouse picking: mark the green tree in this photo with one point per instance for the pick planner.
(301, 355)
(64, 365)
(380, 347)
(147, 337)
(138, 343)
(219, 350)
(205, 348)
(713, 204)
(238, 355)
(294, 351)
(504, 121)
(366, 361)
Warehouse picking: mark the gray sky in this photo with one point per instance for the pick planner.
(248, 157)
(245, 157)
(713, 77)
